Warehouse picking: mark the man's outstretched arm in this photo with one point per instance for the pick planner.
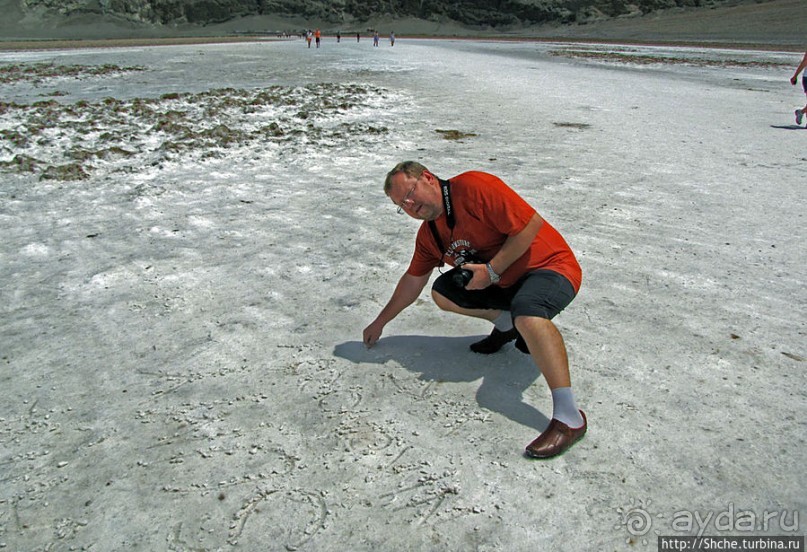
(406, 292)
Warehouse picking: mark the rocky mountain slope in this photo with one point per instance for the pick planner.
(478, 13)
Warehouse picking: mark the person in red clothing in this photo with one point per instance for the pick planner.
(511, 267)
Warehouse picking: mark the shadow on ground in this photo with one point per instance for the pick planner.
(505, 375)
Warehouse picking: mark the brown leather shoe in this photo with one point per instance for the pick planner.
(495, 341)
(556, 439)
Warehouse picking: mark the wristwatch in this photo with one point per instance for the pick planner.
(494, 278)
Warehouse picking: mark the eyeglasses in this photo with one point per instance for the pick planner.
(406, 199)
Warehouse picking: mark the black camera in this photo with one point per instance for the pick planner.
(460, 277)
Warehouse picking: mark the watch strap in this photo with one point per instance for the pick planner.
(494, 278)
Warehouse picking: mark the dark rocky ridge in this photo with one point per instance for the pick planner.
(495, 14)
(744, 23)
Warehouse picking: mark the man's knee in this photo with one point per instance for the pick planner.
(441, 300)
(525, 324)
(442, 291)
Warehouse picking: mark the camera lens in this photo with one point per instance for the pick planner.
(461, 277)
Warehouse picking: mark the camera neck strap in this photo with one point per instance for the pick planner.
(445, 189)
(449, 210)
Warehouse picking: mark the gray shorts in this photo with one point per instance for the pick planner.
(541, 293)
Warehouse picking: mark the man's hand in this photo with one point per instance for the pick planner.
(372, 333)
(793, 80)
(481, 278)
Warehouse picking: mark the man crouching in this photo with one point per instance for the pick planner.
(511, 267)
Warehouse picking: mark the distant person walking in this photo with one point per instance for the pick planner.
(392, 38)
(317, 36)
(375, 39)
(358, 37)
(802, 66)
(308, 37)
(338, 37)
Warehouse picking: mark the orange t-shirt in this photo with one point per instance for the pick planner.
(487, 211)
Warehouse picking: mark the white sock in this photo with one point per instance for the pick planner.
(504, 322)
(564, 407)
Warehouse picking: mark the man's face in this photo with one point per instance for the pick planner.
(417, 197)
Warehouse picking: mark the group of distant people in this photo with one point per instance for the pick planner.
(309, 35)
(316, 36)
